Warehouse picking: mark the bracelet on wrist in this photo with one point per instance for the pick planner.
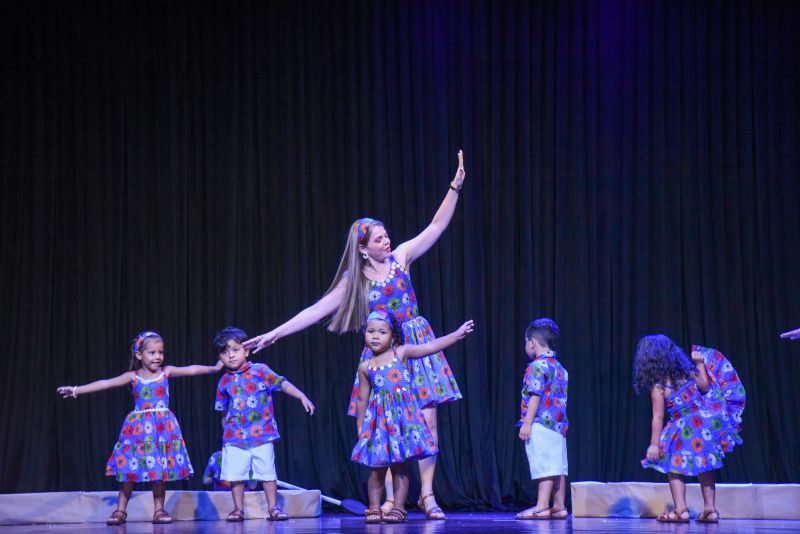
(455, 189)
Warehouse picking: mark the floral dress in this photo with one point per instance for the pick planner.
(722, 373)
(394, 429)
(699, 433)
(431, 375)
(150, 445)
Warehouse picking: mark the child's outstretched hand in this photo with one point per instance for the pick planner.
(465, 329)
(698, 357)
(525, 431)
(307, 405)
(218, 365)
(68, 392)
(653, 453)
(791, 334)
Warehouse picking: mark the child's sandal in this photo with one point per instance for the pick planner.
(117, 517)
(236, 516)
(396, 515)
(558, 512)
(533, 514)
(276, 514)
(673, 516)
(702, 517)
(373, 516)
(160, 517)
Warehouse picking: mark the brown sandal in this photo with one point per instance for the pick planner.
(533, 514)
(702, 517)
(559, 512)
(673, 516)
(117, 517)
(435, 513)
(387, 506)
(373, 516)
(396, 515)
(160, 517)
(276, 514)
(236, 516)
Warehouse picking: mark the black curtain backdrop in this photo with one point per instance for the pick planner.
(631, 169)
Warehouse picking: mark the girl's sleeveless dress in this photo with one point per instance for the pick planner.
(699, 433)
(150, 446)
(431, 375)
(394, 429)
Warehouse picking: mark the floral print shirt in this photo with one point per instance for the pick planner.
(547, 378)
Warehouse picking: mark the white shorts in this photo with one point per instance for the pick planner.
(237, 463)
(547, 452)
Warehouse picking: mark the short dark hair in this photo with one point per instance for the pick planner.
(543, 330)
(228, 333)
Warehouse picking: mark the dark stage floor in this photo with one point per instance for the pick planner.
(483, 523)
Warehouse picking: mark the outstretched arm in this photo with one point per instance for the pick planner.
(432, 347)
(657, 423)
(311, 315)
(291, 390)
(100, 385)
(192, 370)
(791, 334)
(412, 249)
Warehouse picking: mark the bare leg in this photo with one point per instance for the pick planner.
(125, 490)
(559, 497)
(159, 494)
(388, 504)
(237, 493)
(677, 486)
(709, 490)
(271, 492)
(377, 476)
(427, 468)
(400, 477)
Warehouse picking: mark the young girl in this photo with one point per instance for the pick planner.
(372, 276)
(702, 427)
(150, 447)
(390, 425)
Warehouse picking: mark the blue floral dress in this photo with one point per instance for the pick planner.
(394, 429)
(722, 373)
(699, 433)
(150, 447)
(431, 375)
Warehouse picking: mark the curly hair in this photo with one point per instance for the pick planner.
(398, 338)
(657, 359)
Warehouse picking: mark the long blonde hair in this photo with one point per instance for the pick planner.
(354, 308)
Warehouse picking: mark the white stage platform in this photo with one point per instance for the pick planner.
(644, 499)
(96, 506)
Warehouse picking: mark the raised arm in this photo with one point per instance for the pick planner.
(432, 347)
(363, 396)
(100, 385)
(701, 378)
(657, 423)
(309, 316)
(291, 390)
(192, 370)
(412, 249)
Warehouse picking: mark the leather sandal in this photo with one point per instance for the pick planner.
(435, 513)
(533, 514)
(117, 517)
(702, 517)
(276, 514)
(673, 516)
(396, 515)
(160, 517)
(559, 512)
(236, 516)
(387, 506)
(373, 516)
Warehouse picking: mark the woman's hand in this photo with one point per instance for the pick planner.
(653, 452)
(458, 179)
(258, 343)
(68, 392)
(791, 334)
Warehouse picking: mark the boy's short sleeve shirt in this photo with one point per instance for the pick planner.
(246, 396)
(548, 379)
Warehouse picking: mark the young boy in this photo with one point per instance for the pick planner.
(244, 393)
(543, 421)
